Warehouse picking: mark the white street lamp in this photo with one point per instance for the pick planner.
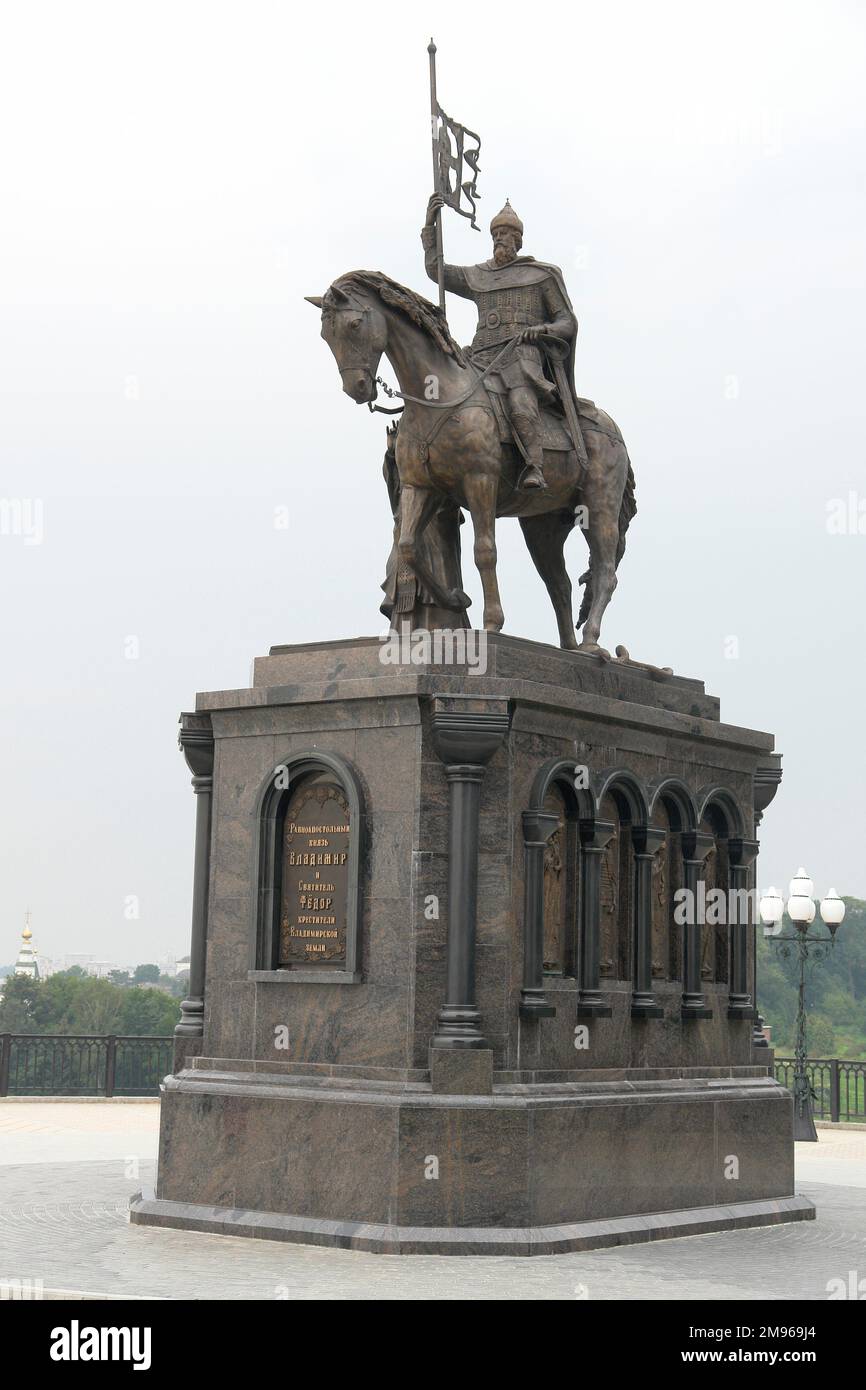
(832, 910)
(801, 910)
(771, 910)
(801, 885)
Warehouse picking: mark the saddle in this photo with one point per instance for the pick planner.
(555, 437)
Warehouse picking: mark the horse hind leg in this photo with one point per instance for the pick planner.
(545, 537)
(602, 534)
(417, 506)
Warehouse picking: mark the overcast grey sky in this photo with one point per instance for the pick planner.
(175, 177)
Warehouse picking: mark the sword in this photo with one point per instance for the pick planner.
(557, 350)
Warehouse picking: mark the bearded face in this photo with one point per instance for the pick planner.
(506, 244)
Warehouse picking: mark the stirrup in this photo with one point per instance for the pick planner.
(531, 479)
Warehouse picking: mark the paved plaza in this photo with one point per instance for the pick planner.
(67, 1170)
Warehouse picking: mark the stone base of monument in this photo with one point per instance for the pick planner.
(531, 1169)
(444, 999)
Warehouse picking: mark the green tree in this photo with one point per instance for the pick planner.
(98, 1008)
(18, 1004)
(148, 1011)
(841, 1007)
(820, 1036)
(145, 975)
(68, 1003)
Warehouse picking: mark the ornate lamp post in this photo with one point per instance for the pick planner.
(801, 911)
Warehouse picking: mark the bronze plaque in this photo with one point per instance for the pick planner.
(315, 878)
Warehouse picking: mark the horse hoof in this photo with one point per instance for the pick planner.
(594, 649)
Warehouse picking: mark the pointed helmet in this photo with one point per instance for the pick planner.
(507, 217)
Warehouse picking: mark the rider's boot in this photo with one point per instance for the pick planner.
(528, 429)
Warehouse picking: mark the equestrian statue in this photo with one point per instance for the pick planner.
(495, 429)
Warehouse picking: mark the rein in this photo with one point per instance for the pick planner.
(441, 405)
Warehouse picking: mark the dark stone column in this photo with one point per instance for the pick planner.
(197, 746)
(647, 840)
(742, 855)
(465, 737)
(696, 847)
(595, 836)
(538, 826)
(764, 787)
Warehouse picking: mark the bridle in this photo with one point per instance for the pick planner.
(451, 406)
(362, 366)
(438, 405)
(364, 342)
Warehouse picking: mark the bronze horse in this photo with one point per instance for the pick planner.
(449, 444)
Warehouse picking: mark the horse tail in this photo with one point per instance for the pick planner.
(627, 509)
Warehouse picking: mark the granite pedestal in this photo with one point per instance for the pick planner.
(513, 1047)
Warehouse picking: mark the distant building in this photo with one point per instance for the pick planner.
(67, 962)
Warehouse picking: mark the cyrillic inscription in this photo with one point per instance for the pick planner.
(316, 839)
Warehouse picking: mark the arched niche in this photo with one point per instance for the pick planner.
(673, 812)
(621, 802)
(310, 832)
(665, 954)
(610, 894)
(561, 883)
(558, 802)
(715, 932)
(559, 789)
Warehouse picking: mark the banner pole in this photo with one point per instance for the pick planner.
(437, 181)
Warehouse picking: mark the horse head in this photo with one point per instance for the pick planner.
(356, 330)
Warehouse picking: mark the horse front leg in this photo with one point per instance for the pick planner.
(480, 490)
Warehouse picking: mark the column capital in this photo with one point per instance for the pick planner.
(742, 853)
(538, 826)
(596, 835)
(697, 844)
(464, 772)
(647, 839)
(765, 784)
(468, 731)
(195, 740)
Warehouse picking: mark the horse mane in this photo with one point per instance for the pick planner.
(408, 302)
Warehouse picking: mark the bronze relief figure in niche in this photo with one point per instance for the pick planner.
(316, 845)
(675, 876)
(660, 903)
(715, 936)
(617, 892)
(708, 936)
(722, 930)
(561, 874)
(610, 895)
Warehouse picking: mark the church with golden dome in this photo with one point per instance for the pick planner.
(27, 962)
